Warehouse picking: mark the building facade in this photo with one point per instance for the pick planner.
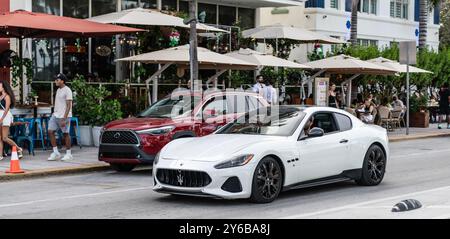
(380, 22)
(51, 56)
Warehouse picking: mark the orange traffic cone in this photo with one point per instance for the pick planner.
(14, 165)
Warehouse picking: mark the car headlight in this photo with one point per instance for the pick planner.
(157, 131)
(155, 161)
(235, 162)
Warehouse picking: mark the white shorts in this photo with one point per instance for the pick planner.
(7, 121)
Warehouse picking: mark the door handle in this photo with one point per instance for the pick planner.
(343, 141)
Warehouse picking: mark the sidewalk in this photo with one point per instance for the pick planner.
(419, 133)
(85, 159)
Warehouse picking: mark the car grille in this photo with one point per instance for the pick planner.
(183, 178)
(119, 137)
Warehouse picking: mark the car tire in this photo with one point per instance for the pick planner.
(374, 167)
(120, 167)
(267, 181)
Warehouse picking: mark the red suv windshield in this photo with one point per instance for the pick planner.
(171, 107)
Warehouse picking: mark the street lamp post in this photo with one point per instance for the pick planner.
(193, 43)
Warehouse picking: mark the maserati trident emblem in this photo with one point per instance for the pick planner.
(117, 135)
(180, 178)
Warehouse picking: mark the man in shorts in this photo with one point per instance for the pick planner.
(60, 119)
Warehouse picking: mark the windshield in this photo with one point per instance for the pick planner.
(171, 107)
(275, 121)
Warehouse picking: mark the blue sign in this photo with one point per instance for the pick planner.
(417, 32)
(348, 24)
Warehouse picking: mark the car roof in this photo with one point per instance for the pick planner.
(214, 93)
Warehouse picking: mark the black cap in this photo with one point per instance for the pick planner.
(61, 76)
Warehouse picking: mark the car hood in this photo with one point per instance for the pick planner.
(216, 147)
(140, 123)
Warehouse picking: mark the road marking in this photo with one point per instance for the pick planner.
(73, 197)
(418, 154)
(356, 205)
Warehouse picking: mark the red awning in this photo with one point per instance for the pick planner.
(26, 24)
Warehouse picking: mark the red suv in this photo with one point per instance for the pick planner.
(128, 142)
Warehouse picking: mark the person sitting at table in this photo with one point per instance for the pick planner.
(7, 101)
(398, 104)
(366, 111)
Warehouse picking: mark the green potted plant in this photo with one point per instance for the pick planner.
(93, 110)
(81, 107)
(419, 115)
(109, 110)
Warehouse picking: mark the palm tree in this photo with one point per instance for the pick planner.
(354, 23)
(423, 20)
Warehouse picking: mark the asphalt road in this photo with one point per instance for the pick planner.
(417, 169)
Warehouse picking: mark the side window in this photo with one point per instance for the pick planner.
(236, 104)
(326, 122)
(344, 122)
(215, 107)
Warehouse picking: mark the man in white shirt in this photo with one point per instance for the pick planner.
(61, 118)
(397, 104)
(260, 88)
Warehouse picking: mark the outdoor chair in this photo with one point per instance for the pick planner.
(24, 133)
(386, 118)
(397, 118)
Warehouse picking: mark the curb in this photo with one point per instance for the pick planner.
(424, 136)
(55, 171)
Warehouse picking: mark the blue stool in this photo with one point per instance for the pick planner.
(75, 130)
(39, 136)
(25, 133)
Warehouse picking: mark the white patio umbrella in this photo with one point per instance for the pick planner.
(180, 56)
(343, 64)
(147, 17)
(400, 68)
(263, 60)
(279, 31)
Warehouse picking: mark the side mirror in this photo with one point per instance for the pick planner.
(316, 132)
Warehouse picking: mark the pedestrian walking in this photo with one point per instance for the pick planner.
(444, 104)
(7, 101)
(61, 118)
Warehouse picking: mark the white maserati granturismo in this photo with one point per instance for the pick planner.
(280, 148)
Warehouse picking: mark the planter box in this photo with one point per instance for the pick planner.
(86, 135)
(419, 119)
(96, 135)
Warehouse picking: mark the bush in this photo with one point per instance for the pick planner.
(90, 105)
(416, 104)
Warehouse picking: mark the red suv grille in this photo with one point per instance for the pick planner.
(119, 137)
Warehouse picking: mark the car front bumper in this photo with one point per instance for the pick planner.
(215, 188)
(126, 154)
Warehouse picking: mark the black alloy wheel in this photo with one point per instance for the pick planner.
(267, 181)
(374, 167)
